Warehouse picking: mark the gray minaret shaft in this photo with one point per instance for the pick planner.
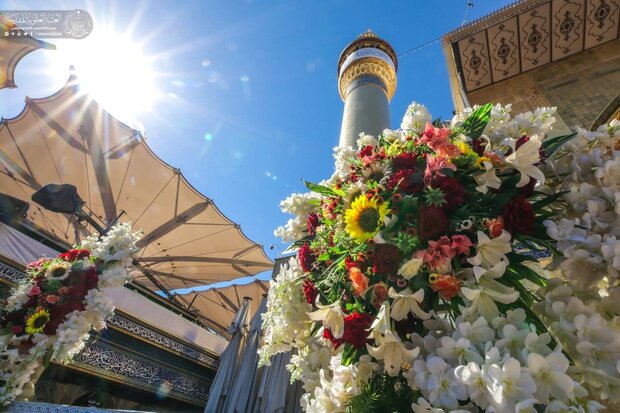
(366, 81)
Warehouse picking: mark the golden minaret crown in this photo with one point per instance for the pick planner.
(371, 58)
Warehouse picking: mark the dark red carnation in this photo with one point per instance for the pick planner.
(528, 190)
(359, 262)
(405, 161)
(73, 255)
(355, 326)
(478, 146)
(518, 216)
(453, 192)
(313, 222)
(408, 181)
(386, 259)
(310, 292)
(432, 222)
(306, 257)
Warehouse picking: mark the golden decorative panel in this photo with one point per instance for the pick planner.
(526, 35)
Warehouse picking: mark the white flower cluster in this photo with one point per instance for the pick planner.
(580, 319)
(588, 235)
(415, 117)
(17, 365)
(285, 323)
(299, 205)
(500, 366)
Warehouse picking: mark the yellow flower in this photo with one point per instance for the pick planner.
(37, 322)
(364, 218)
(58, 270)
(395, 149)
(480, 161)
(465, 149)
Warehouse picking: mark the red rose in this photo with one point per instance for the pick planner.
(386, 259)
(519, 216)
(73, 255)
(355, 326)
(328, 335)
(313, 222)
(310, 292)
(306, 257)
(432, 222)
(453, 192)
(408, 181)
(405, 161)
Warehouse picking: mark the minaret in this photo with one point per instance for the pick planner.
(366, 81)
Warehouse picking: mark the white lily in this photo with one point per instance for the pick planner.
(393, 353)
(406, 302)
(332, 317)
(382, 322)
(482, 300)
(490, 251)
(549, 374)
(494, 272)
(524, 159)
(487, 179)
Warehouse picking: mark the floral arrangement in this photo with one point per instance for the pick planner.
(50, 315)
(416, 286)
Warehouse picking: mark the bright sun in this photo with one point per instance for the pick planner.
(113, 70)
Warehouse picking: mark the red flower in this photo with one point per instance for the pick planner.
(478, 146)
(52, 299)
(73, 255)
(386, 259)
(306, 257)
(379, 294)
(446, 285)
(453, 192)
(528, 190)
(432, 223)
(366, 151)
(328, 335)
(408, 181)
(310, 291)
(519, 216)
(35, 290)
(355, 326)
(405, 161)
(313, 222)
(16, 329)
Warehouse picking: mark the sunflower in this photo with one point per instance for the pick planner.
(37, 322)
(364, 217)
(58, 270)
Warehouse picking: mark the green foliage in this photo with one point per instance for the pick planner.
(383, 394)
(433, 196)
(406, 243)
(51, 286)
(475, 124)
(549, 146)
(323, 190)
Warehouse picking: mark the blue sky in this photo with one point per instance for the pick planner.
(249, 103)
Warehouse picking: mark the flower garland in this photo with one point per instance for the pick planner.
(415, 287)
(50, 316)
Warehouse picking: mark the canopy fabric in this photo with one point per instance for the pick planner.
(229, 361)
(245, 387)
(12, 49)
(67, 138)
(218, 306)
(21, 248)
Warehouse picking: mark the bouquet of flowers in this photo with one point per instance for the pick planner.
(418, 283)
(51, 314)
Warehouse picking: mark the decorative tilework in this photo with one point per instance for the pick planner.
(567, 23)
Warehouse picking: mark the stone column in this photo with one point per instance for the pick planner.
(366, 81)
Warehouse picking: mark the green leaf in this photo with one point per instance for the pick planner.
(475, 124)
(549, 146)
(323, 190)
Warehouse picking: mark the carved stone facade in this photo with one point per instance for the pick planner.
(563, 53)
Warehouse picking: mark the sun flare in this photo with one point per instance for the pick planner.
(114, 70)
